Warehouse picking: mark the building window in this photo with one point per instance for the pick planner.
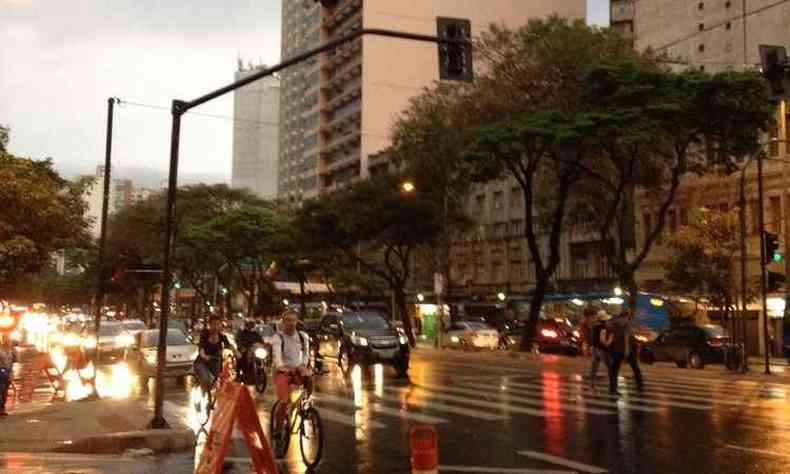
(701, 48)
(684, 217)
(702, 68)
(515, 197)
(701, 26)
(498, 202)
(728, 4)
(728, 25)
(775, 214)
(701, 6)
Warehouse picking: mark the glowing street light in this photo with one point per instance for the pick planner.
(407, 187)
(618, 291)
(501, 296)
(420, 297)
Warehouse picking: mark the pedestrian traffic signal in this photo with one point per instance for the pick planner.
(772, 253)
(775, 280)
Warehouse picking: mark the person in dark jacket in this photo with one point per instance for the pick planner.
(600, 353)
(7, 359)
(620, 340)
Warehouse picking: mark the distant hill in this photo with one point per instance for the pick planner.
(142, 176)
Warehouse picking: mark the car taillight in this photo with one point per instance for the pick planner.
(548, 333)
(714, 342)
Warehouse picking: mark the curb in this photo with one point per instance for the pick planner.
(158, 441)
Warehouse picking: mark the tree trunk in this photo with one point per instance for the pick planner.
(530, 329)
(400, 302)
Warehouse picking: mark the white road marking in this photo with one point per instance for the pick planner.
(347, 419)
(563, 462)
(482, 403)
(439, 406)
(538, 392)
(494, 391)
(498, 470)
(379, 408)
(604, 394)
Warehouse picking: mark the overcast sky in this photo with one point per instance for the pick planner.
(61, 60)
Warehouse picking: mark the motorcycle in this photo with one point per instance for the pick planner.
(252, 367)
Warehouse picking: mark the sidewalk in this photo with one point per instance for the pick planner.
(105, 426)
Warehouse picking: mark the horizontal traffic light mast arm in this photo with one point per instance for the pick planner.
(184, 106)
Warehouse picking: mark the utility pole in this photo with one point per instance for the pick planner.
(761, 214)
(744, 237)
(100, 281)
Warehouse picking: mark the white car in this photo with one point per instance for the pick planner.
(142, 355)
(471, 335)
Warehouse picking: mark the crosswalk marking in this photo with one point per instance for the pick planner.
(347, 419)
(526, 401)
(482, 403)
(439, 406)
(587, 401)
(379, 408)
(563, 462)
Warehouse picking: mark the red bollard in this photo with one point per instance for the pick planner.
(424, 450)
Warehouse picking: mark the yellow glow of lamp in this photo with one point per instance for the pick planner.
(657, 302)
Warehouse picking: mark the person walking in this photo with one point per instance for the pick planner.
(7, 359)
(600, 352)
(588, 319)
(619, 337)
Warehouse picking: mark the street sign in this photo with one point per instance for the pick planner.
(234, 403)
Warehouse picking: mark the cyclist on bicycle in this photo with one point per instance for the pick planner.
(291, 356)
(247, 339)
(209, 360)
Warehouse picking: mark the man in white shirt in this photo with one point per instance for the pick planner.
(291, 355)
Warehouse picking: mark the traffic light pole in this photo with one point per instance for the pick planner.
(178, 109)
(761, 214)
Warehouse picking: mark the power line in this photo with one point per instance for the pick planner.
(223, 117)
(723, 23)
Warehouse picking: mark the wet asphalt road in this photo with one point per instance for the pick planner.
(496, 414)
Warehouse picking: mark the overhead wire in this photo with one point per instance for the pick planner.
(201, 114)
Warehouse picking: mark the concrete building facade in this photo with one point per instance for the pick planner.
(256, 114)
(337, 112)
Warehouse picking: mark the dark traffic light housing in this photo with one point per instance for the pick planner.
(772, 253)
(776, 69)
(455, 59)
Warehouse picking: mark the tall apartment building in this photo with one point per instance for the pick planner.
(337, 110)
(122, 194)
(256, 114)
(712, 35)
(621, 17)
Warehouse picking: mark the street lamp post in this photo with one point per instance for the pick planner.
(178, 109)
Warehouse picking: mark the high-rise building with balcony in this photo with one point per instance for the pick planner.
(336, 111)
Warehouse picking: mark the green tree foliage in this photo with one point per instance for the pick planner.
(649, 129)
(42, 212)
(375, 225)
(4, 137)
(704, 256)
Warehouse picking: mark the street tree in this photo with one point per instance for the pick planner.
(375, 225)
(42, 213)
(650, 128)
(703, 258)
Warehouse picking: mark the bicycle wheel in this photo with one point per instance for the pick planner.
(311, 437)
(280, 438)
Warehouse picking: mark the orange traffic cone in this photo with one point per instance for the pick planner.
(424, 450)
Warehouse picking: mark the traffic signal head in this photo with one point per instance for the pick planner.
(772, 253)
(776, 69)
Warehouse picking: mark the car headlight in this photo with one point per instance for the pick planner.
(150, 357)
(403, 340)
(359, 340)
(454, 339)
(640, 338)
(89, 342)
(195, 355)
(261, 353)
(124, 340)
(70, 340)
(576, 333)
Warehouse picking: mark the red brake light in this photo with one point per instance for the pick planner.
(715, 342)
(549, 333)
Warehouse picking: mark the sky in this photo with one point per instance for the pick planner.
(61, 60)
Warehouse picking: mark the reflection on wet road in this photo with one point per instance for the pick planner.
(494, 414)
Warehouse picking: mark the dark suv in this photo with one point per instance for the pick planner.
(687, 346)
(362, 338)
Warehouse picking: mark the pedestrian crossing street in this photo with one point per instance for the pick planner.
(503, 393)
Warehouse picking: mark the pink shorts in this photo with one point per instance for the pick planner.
(285, 383)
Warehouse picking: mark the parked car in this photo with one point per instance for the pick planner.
(362, 338)
(471, 335)
(552, 335)
(687, 346)
(141, 356)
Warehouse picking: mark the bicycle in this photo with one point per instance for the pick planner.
(309, 427)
